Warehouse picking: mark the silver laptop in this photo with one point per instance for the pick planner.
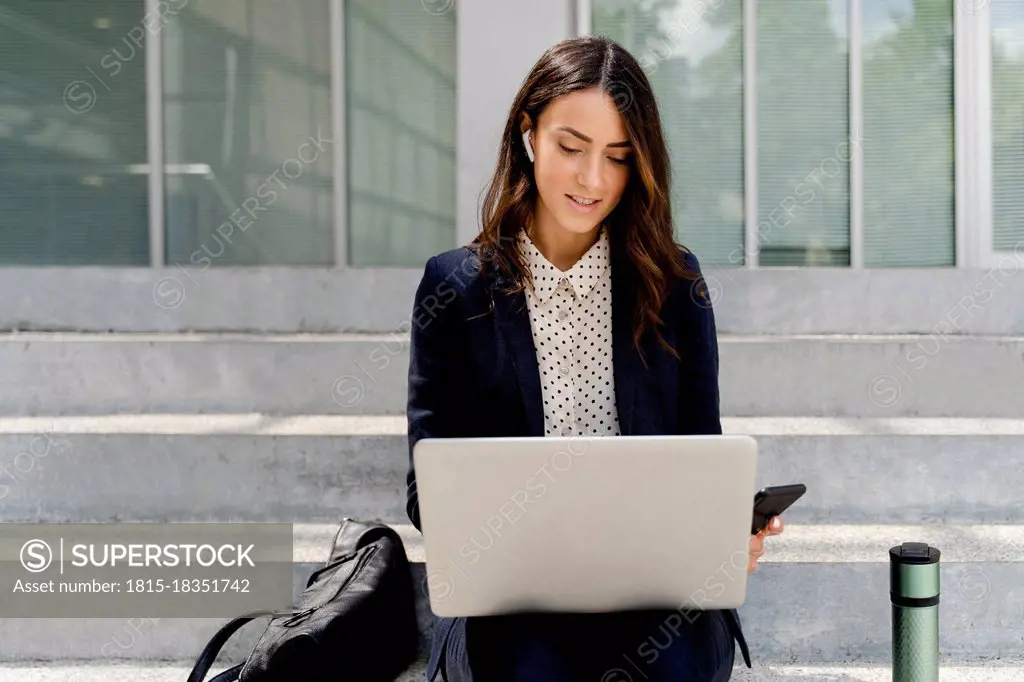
(585, 524)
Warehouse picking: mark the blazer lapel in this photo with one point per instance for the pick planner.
(513, 320)
(625, 361)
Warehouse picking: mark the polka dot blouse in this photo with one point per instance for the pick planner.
(571, 319)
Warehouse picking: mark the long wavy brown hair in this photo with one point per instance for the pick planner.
(641, 223)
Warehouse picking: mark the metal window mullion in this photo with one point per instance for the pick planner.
(340, 184)
(983, 131)
(155, 140)
(965, 175)
(856, 129)
(584, 19)
(962, 104)
(973, 133)
(750, 194)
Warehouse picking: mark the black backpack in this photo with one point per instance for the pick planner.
(355, 620)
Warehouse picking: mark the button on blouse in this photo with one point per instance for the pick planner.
(571, 319)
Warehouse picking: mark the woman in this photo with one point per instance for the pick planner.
(572, 312)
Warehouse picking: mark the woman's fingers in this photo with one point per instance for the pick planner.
(757, 542)
(756, 549)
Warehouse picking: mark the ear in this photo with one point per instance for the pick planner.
(524, 123)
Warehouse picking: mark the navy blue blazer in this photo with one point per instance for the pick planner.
(473, 371)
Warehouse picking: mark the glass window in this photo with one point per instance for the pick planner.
(73, 184)
(692, 51)
(908, 149)
(400, 109)
(803, 133)
(248, 141)
(1008, 125)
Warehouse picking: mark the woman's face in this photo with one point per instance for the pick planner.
(580, 166)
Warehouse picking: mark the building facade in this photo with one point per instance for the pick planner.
(214, 215)
(197, 134)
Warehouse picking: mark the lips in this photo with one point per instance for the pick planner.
(585, 208)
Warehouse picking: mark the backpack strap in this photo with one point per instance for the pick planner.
(217, 642)
(229, 675)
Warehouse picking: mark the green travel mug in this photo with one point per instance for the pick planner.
(914, 593)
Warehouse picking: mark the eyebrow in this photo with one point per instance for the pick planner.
(573, 131)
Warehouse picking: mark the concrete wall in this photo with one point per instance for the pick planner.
(765, 301)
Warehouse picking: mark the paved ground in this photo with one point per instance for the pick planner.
(951, 671)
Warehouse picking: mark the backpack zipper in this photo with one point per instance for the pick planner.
(365, 559)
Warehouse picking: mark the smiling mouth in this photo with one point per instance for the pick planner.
(583, 201)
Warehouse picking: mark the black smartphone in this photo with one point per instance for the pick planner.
(772, 501)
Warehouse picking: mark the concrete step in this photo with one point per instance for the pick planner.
(950, 670)
(805, 543)
(879, 376)
(805, 613)
(159, 639)
(801, 543)
(76, 671)
(802, 300)
(819, 596)
(250, 467)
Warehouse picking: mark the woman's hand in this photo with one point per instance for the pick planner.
(757, 541)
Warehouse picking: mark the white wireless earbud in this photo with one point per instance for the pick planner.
(529, 147)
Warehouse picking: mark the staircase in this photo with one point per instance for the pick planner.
(900, 434)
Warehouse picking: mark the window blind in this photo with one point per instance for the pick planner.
(909, 217)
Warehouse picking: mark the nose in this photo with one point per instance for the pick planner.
(590, 173)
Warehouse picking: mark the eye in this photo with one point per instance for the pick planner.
(568, 150)
(618, 161)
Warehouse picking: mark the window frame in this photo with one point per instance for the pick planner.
(975, 181)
